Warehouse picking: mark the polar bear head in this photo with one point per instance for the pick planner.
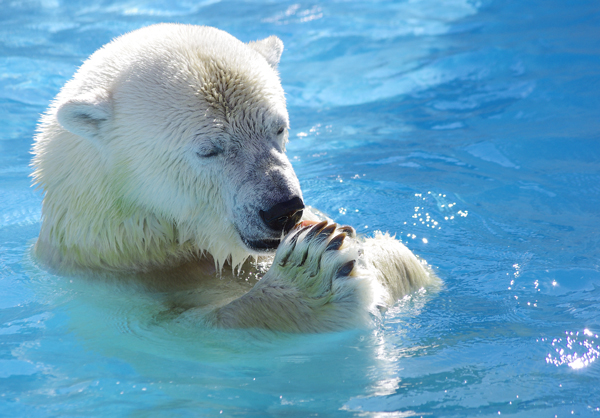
(167, 143)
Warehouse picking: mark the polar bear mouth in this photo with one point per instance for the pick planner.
(262, 245)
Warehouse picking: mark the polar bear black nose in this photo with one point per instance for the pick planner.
(283, 216)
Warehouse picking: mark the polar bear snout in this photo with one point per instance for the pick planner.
(282, 216)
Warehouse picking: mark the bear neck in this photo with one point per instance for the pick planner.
(71, 241)
(86, 225)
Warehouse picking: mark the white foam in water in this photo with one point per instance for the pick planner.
(468, 129)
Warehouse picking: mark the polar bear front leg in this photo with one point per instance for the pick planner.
(323, 278)
(315, 284)
(396, 268)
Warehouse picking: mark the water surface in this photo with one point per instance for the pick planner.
(467, 128)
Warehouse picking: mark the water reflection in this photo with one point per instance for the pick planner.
(574, 350)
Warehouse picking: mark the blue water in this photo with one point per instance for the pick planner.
(468, 128)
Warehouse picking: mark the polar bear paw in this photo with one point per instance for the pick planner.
(318, 282)
(312, 259)
(319, 270)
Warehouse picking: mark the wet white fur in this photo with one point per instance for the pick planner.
(119, 156)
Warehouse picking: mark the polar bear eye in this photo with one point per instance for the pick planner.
(280, 130)
(208, 152)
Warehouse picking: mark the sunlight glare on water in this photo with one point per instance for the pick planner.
(468, 129)
(577, 354)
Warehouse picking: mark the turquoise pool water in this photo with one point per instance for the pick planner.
(469, 129)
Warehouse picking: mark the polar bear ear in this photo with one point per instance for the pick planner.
(270, 48)
(85, 114)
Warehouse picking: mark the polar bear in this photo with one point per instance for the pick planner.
(163, 159)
